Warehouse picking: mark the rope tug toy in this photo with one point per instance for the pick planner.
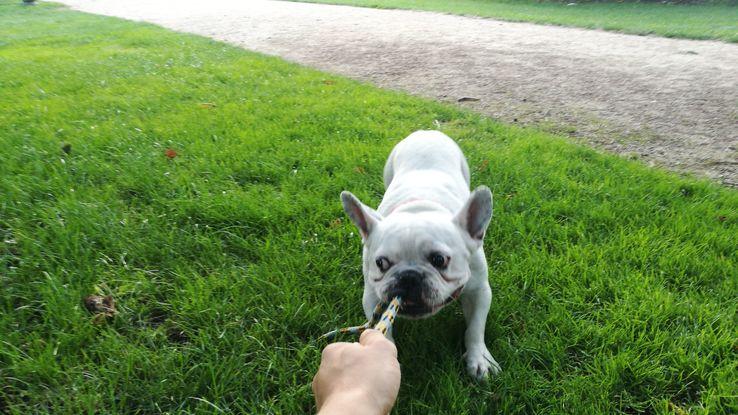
(382, 318)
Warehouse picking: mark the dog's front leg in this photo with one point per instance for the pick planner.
(475, 303)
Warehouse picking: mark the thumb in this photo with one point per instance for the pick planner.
(375, 339)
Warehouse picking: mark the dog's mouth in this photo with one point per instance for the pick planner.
(414, 309)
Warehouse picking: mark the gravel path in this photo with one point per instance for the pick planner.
(669, 102)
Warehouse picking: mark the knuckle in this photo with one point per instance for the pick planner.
(331, 350)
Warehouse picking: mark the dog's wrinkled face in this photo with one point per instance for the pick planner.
(422, 257)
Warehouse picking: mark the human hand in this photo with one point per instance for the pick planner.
(358, 378)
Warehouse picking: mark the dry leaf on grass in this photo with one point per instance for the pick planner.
(101, 307)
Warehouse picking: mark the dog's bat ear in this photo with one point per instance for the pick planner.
(364, 217)
(476, 213)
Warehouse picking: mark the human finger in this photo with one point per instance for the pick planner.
(375, 339)
(332, 349)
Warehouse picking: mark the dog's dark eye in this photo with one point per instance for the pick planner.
(438, 260)
(383, 263)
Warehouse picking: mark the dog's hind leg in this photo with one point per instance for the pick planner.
(465, 171)
(389, 169)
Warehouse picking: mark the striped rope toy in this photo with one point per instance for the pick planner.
(382, 318)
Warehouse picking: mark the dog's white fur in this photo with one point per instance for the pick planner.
(428, 209)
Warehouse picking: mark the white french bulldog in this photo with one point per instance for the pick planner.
(424, 242)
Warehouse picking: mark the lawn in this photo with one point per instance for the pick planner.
(198, 185)
(714, 21)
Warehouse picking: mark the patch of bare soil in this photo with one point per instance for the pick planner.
(669, 102)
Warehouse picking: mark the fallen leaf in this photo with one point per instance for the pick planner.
(359, 170)
(100, 306)
(329, 81)
(207, 105)
(170, 153)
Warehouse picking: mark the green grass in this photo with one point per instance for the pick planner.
(615, 285)
(670, 20)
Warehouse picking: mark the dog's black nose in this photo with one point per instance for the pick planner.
(409, 280)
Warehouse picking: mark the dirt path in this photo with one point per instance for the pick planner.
(669, 102)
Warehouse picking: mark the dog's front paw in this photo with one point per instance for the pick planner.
(480, 363)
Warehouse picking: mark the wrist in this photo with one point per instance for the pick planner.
(355, 402)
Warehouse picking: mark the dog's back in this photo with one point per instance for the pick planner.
(423, 150)
(431, 167)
